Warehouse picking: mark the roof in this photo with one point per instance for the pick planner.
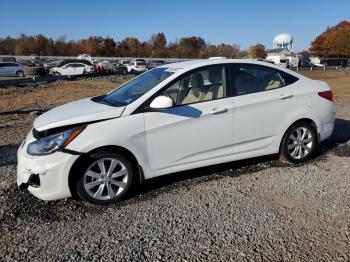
(278, 50)
(181, 67)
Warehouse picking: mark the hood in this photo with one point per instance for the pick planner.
(80, 111)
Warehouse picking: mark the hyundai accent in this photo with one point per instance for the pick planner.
(173, 118)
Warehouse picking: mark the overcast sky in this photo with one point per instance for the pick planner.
(239, 22)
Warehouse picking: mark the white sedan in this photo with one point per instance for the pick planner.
(172, 118)
(71, 69)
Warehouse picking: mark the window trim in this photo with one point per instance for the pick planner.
(233, 67)
(144, 107)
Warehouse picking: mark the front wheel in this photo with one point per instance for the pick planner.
(105, 178)
(299, 143)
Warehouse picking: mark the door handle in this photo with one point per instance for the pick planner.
(286, 96)
(218, 110)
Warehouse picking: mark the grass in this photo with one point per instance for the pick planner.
(338, 80)
(324, 75)
(57, 93)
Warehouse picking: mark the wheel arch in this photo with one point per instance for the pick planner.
(74, 174)
(307, 120)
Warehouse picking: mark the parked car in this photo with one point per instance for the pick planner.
(120, 69)
(71, 69)
(155, 63)
(105, 67)
(125, 62)
(11, 69)
(173, 118)
(26, 63)
(284, 62)
(84, 57)
(62, 62)
(137, 66)
(342, 62)
(40, 62)
(7, 59)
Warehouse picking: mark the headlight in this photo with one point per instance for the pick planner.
(52, 143)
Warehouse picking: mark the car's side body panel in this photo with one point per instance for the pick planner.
(125, 132)
(190, 133)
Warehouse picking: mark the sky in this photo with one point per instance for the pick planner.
(242, 22)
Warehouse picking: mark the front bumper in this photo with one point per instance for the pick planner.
(51, 170)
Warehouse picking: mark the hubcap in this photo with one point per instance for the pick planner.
(300, 143)
(105, 179)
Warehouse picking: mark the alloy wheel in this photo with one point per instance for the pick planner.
(300, 143)
(105, 179)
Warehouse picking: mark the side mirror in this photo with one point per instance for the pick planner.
(161, 102)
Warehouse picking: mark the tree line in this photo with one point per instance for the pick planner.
(156, 46)
(334, 42)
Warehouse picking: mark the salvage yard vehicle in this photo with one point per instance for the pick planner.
(137, 66)
(111, 67)
(72, 69)
(11, 69)
(62, 62)
(173, 118)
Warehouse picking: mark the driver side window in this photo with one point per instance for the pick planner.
(201, 85)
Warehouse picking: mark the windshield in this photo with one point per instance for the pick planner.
(136, 88)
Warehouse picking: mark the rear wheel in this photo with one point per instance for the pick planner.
(20, 73)
(299, 143)
(105, 178)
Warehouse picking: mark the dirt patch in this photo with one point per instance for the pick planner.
(53, 94)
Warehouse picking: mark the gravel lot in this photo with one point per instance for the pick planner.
(259, 209)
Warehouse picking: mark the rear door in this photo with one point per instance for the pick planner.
(3, 69)
(199, 127)
(261, 104)
(79, 69)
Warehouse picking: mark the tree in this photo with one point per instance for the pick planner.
(334, 42)
(8, 46)
(228, 51)
(158, 45)
(191, 47)
(130, 47)
(257, 51)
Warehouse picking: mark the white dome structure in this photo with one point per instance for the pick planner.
(283, 41)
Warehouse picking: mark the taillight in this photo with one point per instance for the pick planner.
(326, 95)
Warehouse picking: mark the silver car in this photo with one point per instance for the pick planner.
(11, 69)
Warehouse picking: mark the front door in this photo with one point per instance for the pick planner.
(198, 127)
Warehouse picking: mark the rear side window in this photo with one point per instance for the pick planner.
(288, 79)
(11, 64)
(249, 79)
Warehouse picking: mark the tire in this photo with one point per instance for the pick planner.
(299, 143)
(20, 73)
(96, 183)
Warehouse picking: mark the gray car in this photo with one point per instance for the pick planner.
(11, 69)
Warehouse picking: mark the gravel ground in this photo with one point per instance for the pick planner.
(258, 209)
